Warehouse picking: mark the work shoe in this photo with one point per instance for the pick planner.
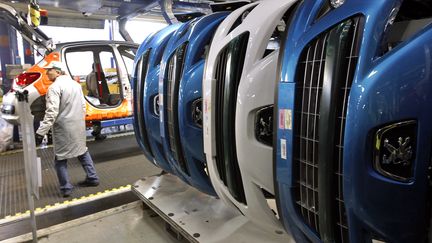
(67, 193)
(98, 136)
(87, 183)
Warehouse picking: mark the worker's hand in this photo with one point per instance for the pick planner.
(38, 139)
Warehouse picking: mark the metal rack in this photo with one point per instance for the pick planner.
(199, 217)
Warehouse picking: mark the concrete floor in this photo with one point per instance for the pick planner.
(128, 223)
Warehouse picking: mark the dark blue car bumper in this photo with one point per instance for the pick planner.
(341, 95)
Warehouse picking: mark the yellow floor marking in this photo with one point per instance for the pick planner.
(67, 202)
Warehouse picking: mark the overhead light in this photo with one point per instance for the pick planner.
(337, 3)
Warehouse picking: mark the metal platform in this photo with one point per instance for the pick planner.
(139, 224)
(56, 214)
(199, 217)
(119, 162)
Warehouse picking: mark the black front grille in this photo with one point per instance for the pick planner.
(174, 74)
(324, 76)
(228, 73)
(141, 74)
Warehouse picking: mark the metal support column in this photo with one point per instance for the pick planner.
(32, 164)
(111, 37)
(13, 45)
(8, 52)
(8, 55)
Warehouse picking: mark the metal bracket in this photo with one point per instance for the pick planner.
(122, 29)
(167, 11)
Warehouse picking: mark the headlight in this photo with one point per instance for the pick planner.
(8, 109)
(394, 151)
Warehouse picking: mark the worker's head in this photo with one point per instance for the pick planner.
(54, 69)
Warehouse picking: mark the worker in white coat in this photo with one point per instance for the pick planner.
(65, 113)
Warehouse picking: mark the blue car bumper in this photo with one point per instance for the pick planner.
(181, 88)
(352, 150)
(146, 110)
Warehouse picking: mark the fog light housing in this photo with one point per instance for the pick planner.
(394, 150)
(264, 125)
(156, 105)
(197, 114)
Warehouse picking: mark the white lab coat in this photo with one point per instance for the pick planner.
(65, 112)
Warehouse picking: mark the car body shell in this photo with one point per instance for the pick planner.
(40, 87)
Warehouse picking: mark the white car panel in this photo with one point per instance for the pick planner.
(256, 90)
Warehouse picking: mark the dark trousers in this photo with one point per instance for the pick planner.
(62, 172)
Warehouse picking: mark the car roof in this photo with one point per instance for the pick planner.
(59, 46)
